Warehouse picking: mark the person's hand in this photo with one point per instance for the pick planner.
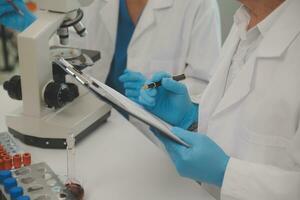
(170, 101)
(204, 161)
(10, 18)
(132, 82)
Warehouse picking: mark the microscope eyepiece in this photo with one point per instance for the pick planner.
(80, 29)
(63, 31)
(63, 34)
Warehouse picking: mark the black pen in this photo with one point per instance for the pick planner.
(16, 8)
(157, 84)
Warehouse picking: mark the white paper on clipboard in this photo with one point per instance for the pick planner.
(103, 91)
(137, 110)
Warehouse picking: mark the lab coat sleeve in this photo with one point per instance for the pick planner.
(247, 181)
(204, 49)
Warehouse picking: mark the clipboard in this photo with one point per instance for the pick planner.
(117, 100)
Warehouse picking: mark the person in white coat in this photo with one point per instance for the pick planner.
(148, 36)
(248, 145)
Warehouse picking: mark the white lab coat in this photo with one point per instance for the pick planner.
(257, 121)
(178, 36)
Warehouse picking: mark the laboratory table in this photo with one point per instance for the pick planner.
(116, 162)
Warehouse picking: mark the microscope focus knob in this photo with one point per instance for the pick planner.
(13, 87)
(74, 92)
(58, 94)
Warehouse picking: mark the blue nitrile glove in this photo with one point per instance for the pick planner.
(132, 82)
(12, 19)
(204, 161)
(171, 101)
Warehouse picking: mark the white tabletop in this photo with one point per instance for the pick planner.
(117, 162)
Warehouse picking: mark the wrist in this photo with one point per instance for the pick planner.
(191, 117)
(223, 171)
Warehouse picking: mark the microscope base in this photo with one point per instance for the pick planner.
(56, 143)
(80, 118)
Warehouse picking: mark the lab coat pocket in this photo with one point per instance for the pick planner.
(261, 139)
(163, 65)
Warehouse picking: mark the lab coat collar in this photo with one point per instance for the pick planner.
(282, 32)
(161, 4)
(109, 13)
(148, 17)
(239, 87)
(213, 97)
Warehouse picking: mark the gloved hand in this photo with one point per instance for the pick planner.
(132, 82)
(204, 161)
(170, 101)
(12, 19)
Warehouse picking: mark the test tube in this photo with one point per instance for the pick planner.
(71, 176)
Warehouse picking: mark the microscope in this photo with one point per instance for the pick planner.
(52, 107)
